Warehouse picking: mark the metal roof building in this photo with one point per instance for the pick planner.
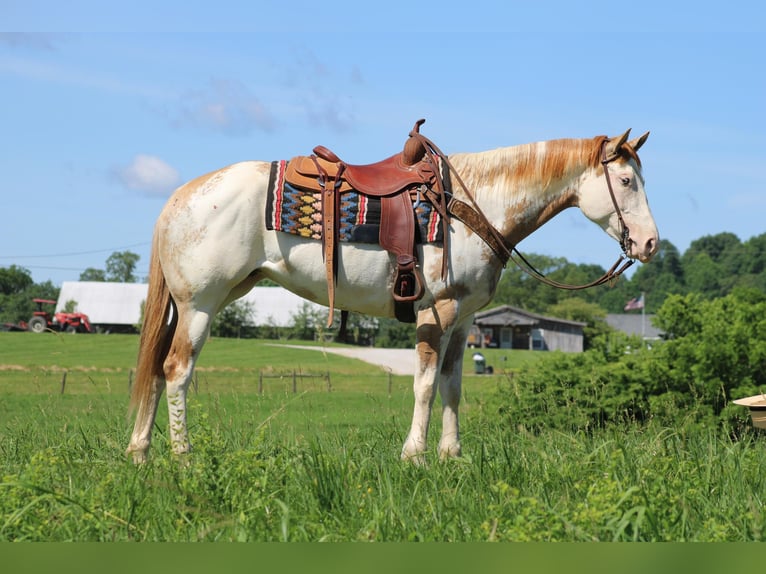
(510, 327)
(104, 303)
(634, 324)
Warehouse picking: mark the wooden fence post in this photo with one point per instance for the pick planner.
(63, 382)
(295, 383)
(260, 382)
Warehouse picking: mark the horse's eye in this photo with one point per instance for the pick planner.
(625, 181)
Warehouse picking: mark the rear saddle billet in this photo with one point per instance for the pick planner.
(396, 180)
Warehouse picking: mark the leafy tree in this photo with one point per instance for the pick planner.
(718, 349)
(754, 251)
(703, 275)
(14, 279)
(308, 322)
(717, 352)
(17, 289)
(270, 330)
(360, 330)
(722, 248)
(579, 274)
(120, 268)
(713, 266)
(234, 320)
(93, 274)
(663, 276)
(751, 272)
(121, 265)
(519, 289)
(680, 315)
(395, 335)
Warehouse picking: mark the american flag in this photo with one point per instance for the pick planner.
(635, 303)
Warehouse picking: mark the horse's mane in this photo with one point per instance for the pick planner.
(537, 164)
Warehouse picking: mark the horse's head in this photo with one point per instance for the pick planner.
(612, 195)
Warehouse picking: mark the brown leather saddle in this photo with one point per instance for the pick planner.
(396, 180)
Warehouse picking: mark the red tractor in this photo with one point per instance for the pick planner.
(69, 322)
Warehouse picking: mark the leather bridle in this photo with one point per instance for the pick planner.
(624, 231)
(473, 217)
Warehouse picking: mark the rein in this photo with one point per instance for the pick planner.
(473, 217)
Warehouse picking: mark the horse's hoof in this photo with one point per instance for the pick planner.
(138, 456)
(418, 458)
(450, 451)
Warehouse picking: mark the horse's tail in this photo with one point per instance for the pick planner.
(156, 336)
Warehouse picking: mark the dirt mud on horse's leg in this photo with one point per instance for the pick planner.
(187, 343)
(434, 325)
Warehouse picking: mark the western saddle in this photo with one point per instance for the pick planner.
(397, 181)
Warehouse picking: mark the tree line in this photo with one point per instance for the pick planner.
(18, 289)
(713, 266)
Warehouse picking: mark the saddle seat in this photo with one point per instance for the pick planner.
(386, 177)
(393, 180)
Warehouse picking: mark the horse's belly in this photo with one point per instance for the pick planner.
(363, 284)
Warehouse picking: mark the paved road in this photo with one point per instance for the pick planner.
(398, 361)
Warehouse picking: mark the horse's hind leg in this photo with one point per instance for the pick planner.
(190, 336)
(142, 429)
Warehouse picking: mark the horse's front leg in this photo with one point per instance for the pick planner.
(450, 389)
(433, 327)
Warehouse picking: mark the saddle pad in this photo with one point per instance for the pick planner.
(291, 209)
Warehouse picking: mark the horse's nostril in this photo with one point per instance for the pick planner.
(650, 246)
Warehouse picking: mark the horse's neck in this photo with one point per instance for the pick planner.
(520, 188)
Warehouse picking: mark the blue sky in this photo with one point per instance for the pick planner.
(104, 110)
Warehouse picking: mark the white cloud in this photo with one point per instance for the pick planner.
(322, 91)
(225, 106)
(149, 174)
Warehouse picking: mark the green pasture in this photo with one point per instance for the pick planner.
(321, 464)
(261, 383)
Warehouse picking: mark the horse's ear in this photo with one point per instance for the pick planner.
(614, 144)
(638, 142)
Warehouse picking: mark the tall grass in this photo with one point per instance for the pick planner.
(320, 465)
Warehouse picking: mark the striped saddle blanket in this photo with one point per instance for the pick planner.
(295, 210)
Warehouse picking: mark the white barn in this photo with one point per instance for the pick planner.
(104, 303)
(117, 305)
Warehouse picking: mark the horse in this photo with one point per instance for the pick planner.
(211, 245)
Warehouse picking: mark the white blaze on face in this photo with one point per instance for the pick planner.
(628, 187)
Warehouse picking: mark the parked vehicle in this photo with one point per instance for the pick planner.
(43, 320)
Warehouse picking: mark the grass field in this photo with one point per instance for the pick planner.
(317, 465)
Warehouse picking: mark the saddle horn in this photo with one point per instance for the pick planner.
(414, 149)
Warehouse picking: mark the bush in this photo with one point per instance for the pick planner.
(716, 352)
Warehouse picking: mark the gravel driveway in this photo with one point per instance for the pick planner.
(398, 361)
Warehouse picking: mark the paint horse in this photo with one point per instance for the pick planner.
(211, 245)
